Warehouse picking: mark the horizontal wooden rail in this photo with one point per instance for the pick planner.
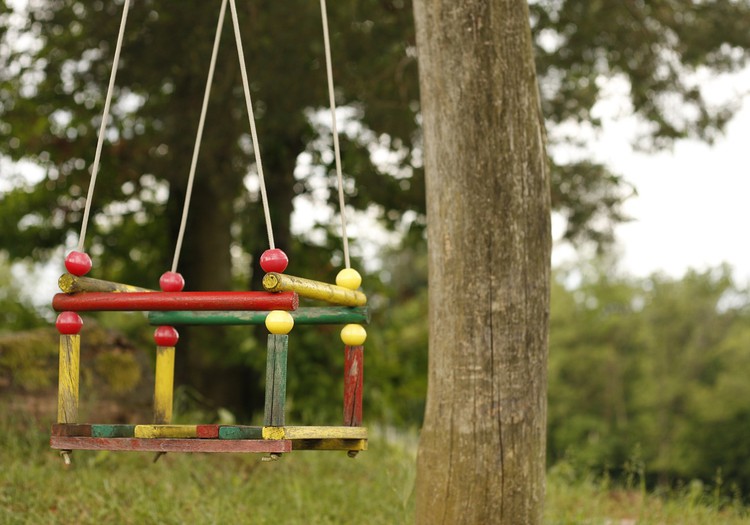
(171, 444)
(69, 283)
(167, 301)
(307, 432)
(280, 282)
(302, 315)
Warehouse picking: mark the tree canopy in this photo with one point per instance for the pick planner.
(55, 57)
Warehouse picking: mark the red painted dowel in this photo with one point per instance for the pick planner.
(168, 301)
(353, 380)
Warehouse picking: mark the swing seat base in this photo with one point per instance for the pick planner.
(206, 438)
(171, 444)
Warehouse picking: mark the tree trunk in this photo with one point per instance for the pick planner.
(482, 448)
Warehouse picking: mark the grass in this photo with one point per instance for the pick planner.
(301, 488)
(128, 488)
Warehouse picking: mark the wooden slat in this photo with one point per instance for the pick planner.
(314, 433)
(353, 382)
(207, 431)
(166, 431)
(310, 315)
(69, 371)
(163, 385)
(112, 431)
(329, 444)
(147, 301)
(276, 380)
(171, 445)
(69, 283)
(71, 429)
(280, 282)
(240, 432)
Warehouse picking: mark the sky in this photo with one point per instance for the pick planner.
(692, 208)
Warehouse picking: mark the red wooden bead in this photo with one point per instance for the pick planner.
(274, 261)
(166, 336)
(78, 263)
(171, 282)
(69, 323)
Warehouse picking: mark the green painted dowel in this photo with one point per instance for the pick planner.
(303, 315)
(276, 380)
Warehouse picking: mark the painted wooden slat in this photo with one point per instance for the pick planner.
(69, 370)
(147, 301)
(69, 283)
(166, 431)
(112, 431)
(310, 315)
(297, 432)
(163, 384)
(353, 382)
(240, 432)
(276, 379)
(329, 444)
(207, 431)
(280, 282)
(171, 445)
(71, 429)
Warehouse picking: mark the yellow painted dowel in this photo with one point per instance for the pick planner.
(163, 384)
(314, 433)
(166, 431)
(280, 282)
(69, 283)
(67, 394)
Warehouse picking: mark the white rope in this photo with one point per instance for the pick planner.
(251, 116)
(199, 136)
(334, 131)
(103, 127)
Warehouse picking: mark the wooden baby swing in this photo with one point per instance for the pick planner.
(277, 307)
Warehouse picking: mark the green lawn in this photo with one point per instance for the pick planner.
(301, 488)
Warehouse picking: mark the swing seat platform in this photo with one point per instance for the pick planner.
(206, 438)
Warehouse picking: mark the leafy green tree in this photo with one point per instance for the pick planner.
(650, 371)
(55, 58)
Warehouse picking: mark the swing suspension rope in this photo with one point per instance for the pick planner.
(103, 126)
(334, 130)
(201, 126)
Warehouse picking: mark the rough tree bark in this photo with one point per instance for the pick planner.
(482, 448)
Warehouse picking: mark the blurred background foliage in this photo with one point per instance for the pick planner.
(648, 372)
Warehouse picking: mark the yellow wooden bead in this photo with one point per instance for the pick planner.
(349, 278)
(279, 322)
(353, 335)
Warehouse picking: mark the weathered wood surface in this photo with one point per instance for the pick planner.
(112, 431)
(166, 431)
(68, 379)
(297, 432)
(353, 382)
(71, 429)
(329, 444)
(281, 282)
(147, 301)
(276, 360)
(70, 283)
(171, 445)
(164, 384)
(307, 315)
(92, 430)
(482, 446)
(240, 432)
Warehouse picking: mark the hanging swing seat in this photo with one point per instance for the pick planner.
(277, 307)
